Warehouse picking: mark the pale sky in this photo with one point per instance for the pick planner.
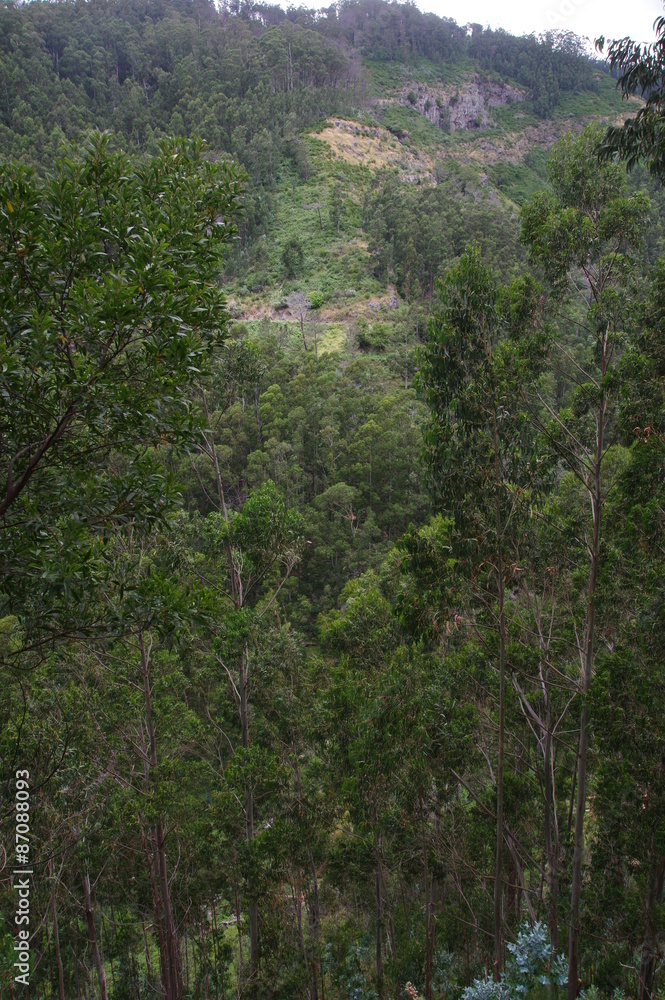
(588, 18)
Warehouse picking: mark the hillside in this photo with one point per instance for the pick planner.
(321, 109)
(332, 451)
(378, 142)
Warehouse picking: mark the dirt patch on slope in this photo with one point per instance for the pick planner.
(515, 145)
(375, 147)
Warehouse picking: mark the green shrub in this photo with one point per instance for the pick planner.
(293, 257)
(371, 338)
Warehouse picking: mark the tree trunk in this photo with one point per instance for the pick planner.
(314, 907)
(243, 707)
(379, 922)
(650, 943)
(551, 837)
(92, 931)
(215, 954)
(580, 807)
(172, 944)
(314, 924)
(56, 935)
(249, 818)
(148, 964)
(297, 903)
(170, 954)
(74, 950)
(163, 957)
(429, 932)
(498, 886)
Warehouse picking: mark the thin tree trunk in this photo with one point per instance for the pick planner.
(429, 933)
(650, 943)
(215, 950)
(172, 947)
(101, 945)
(92, 931)
(171, 973)
(249, 817)
(379, 922)
(56, 934)
(297, 905)
(314, 907)
(147, 951)
(135, 974)
(498, 887)
(74, 949)
(314, 924)
(243, 672)
(550, 824)
(551, 842)
(580, 807)
(573, 789)
(240, 955)
(163, 958)
(428, 884)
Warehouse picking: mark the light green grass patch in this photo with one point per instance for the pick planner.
(333, 339)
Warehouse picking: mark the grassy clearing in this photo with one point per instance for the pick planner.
(606, 102)
(415, 130)
(387, 77)
(516, 181)
(333, 338)
(516, 117)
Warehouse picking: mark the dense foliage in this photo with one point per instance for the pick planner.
(414, 235)
(331, 496)
(244, 81)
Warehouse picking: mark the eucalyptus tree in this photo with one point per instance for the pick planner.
(261, 544)
(250, 554)
(628, 856)
(585, 236)
(641, 70)
(485, 350)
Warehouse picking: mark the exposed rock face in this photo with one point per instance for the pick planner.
(468, 108)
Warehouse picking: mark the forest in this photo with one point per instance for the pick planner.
(332, 486)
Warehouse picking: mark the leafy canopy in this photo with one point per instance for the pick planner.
(110, 307)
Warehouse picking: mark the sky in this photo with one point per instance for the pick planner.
(588, 18)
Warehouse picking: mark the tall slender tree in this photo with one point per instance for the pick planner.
(477, 446)
(583, 237)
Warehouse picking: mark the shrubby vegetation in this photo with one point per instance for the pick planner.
(331, 601)
(414, 234)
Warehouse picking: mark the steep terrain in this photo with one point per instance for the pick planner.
(294, 606)
(473, 135)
